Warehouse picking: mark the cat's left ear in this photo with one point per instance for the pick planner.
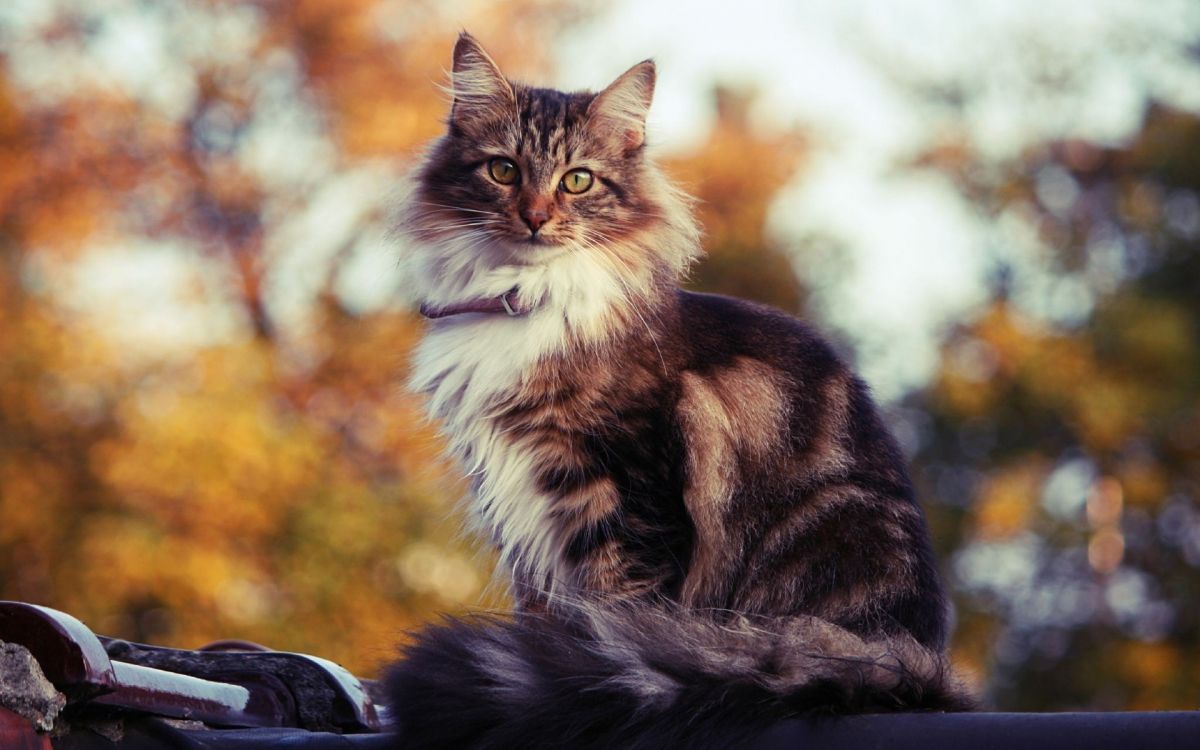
(481, 92)
(622, 107)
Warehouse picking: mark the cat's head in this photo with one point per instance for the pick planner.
(535, 178)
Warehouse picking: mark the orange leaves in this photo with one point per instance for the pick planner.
(1145, 480)
(376, 64)
(17, 162)
(271, 481)
(63, 170)
(1155, 672)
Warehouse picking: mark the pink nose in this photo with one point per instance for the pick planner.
(534, 218)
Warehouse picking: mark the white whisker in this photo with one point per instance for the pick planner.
(458, 208)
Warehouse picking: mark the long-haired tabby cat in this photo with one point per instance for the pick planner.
(706, 524)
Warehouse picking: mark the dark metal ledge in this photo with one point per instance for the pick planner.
(1149, 730)
(997, 731)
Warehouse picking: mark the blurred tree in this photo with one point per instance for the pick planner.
(735, 175)
(1062, 443)
(266, 477)
(271, 482)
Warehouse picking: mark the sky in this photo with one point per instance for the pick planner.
(912, 256)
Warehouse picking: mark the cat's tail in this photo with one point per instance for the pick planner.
(650, 677)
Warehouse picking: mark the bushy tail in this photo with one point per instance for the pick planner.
(647, 677)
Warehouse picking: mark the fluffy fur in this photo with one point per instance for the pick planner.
(649, 677)
(705, 523)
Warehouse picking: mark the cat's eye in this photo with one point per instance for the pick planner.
(577, 180)
(503, 171)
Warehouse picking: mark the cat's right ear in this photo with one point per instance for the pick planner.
(481, 92)
(622, 107)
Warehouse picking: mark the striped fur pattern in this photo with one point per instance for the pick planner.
(649, 678)
(695, 499)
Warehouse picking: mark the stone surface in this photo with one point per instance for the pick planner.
(25, 690)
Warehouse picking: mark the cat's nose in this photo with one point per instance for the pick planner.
(535, 218)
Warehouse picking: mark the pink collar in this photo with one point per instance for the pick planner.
(507, 303)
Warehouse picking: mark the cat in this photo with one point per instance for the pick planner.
(706, 525)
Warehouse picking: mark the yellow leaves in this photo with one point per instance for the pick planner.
(1007, 500)
(1152, 338)
(27, 484)
(32, 495)
(1103, 411)
(223, 496)
(179, 589)
(1107, 396)
(737, 172)
(973, 364)
(1146, 481)
(965, 378)
(243, 515)
(1031, 373)
(253, 459)
(1106, 401)
(245, 602)
(735, 175)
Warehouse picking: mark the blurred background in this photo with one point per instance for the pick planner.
(993, 207)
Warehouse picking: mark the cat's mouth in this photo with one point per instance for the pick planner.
(539, 240)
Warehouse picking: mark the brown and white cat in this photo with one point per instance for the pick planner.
(706, 524)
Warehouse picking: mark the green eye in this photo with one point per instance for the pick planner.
(577, 181)
(503, 171)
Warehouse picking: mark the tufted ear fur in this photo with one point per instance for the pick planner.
(481, 92)
(623, 106)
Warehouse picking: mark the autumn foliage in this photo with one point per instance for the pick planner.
(203, 427)
(255, 468)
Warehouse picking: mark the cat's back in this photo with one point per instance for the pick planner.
(839, 534)
(720, 330)
(762, 361)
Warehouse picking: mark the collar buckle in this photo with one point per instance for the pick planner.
(508, 306)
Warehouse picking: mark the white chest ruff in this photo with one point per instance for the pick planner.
(466, 368)
(469, 365)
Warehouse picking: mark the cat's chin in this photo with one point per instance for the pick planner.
(535, 250)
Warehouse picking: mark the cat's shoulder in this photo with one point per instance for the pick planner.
(719, 325)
